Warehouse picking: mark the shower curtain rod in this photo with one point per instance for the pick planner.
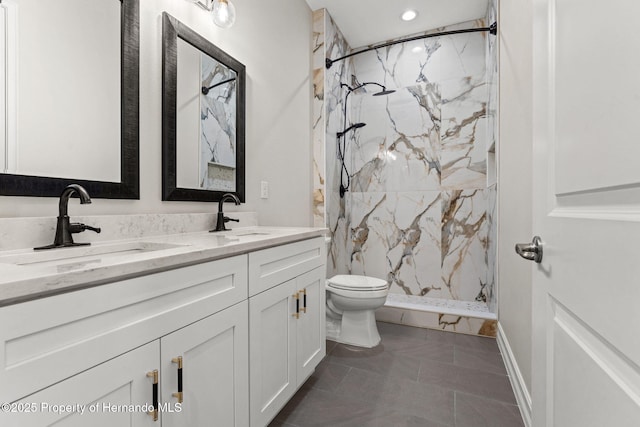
(493, 29)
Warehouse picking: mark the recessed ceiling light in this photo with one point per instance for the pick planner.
(417, 49)
(409, 15)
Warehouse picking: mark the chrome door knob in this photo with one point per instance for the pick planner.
(531, 251)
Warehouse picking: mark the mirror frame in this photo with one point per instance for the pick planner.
(129, 185)
(171, 30)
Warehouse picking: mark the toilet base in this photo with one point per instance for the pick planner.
(356, 328)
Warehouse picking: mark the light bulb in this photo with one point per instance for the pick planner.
(409, 15)
(223, 13)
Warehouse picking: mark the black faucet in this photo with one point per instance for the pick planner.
(221, 218)
(64, 228)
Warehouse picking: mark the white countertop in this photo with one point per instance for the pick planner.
(22, 280)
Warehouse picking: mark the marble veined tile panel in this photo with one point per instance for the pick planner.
(427, 60)
(319, 126)
(463, 133)
(399, 148)
(396, 237)
(464, 244)
(492, 249)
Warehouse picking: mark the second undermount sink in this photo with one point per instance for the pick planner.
(252, 233)
(82, 254)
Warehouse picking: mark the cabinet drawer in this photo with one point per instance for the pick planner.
(270, 267)
(75, 331)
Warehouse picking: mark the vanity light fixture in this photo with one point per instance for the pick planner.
(409, 15)
(223, 12)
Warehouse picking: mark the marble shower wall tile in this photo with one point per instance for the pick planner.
(399, 148)
(319, 125)
(492, 75)
(434, 320)
(463, 133)
(464, 244)
(396, 236)
(336, 215)
(427, 60)
(492, 246)
(492, 108)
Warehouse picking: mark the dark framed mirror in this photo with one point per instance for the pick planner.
(203, 117)
(89, 140)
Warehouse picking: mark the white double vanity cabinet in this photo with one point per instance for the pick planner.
(222, 337)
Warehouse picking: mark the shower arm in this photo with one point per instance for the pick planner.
(492, 29)
(361, 86)
(205, 90)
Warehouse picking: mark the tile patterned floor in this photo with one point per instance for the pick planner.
(415, 377)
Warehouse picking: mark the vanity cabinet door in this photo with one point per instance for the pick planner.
(114, 393)
(215, 377)
(272, 358)
(287, 341)
(311, 325)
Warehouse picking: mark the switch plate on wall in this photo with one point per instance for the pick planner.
(264, 190)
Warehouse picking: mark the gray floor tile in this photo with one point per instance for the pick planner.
(405, 396)
(439, 352)
(476, 342)
(416, 377)
(376, 360)
(394, 330)
(330, 345)
(434, 335)
(458, 378)
(390, 417)
(322, 408)
(328, 376)
(485, 361)
(475, 411)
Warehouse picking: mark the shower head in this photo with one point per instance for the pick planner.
(384, 91)
(353, 126)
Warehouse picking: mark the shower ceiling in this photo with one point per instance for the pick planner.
(364, 22)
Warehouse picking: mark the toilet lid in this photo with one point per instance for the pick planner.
(357, 283)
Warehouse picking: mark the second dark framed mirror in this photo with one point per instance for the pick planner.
(203, 117)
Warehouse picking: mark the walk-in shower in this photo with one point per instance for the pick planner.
(411, 199)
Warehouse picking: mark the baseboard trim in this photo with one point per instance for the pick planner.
(517, 382)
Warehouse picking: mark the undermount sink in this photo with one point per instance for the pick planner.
(252, 233)
(82, 254)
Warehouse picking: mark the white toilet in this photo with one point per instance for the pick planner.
(351, 304)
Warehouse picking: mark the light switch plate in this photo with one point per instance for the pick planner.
(264, 190)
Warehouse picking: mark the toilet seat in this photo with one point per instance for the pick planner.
(356, 283)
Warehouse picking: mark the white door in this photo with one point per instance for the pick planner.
(209, 359)
(586, 302)
(115, 393)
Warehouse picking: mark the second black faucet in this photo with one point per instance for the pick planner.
(221, 218)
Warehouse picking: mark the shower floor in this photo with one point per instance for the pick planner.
(467, 317)
(475, 309)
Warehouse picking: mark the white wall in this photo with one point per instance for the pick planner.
(273, 39)
(515, 178)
